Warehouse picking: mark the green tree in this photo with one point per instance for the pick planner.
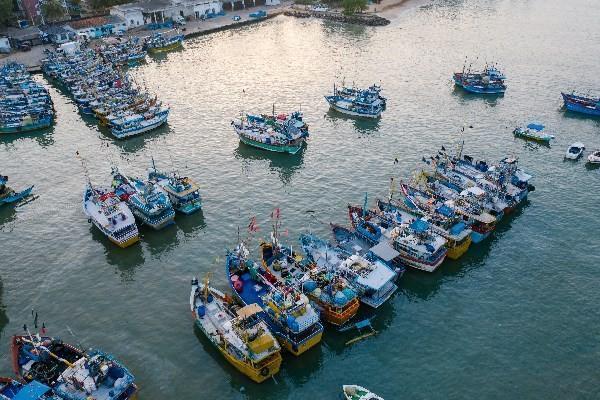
(354, 6)
(52, 10)
(6, 12)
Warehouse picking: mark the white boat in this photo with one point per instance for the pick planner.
(575, 151)
(109, 214)
(594, 158)
(355, 392)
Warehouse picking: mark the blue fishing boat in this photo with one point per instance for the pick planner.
(582, 104)
(281, 133)
(286, 310)
(258, 14)
(373, 279)
(8, 195)
(418, 245)
(71, 373)
(165, 41)
(34, 390)
(148, 202)
(183, 192)
(488, 81)
(25, 105)
(359, 103)
(533, 131)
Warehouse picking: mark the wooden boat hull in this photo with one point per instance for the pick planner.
(334, 315)
(257, 374)
(304, 346)
(456, 250)
(346, 111)
(291, 149)
(136, 132)
(27, 128)
(129, 242)
(16, 196)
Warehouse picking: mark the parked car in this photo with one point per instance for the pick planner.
(236, 18)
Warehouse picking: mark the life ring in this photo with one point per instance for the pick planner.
(264, 371)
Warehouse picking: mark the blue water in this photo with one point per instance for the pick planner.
(516, 317)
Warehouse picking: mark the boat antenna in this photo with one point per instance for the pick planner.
(365, 204)
(273, 110)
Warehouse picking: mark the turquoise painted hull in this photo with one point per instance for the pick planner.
(270, 147)
(28, 128)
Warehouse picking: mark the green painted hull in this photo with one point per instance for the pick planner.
(270, 147)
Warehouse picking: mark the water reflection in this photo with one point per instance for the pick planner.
(191, 225)
(284, 164)
(125, 260)
(3, 316)
(164, 56)
(159, 241)
(363, 126)
(8, 216)
(43, 137)
(135, 143)
(464, 97)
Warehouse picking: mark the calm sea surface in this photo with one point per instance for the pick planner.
(517, 317)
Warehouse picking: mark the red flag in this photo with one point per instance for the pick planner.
(277, 212)
(252, 226)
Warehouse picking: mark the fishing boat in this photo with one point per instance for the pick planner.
(148, 202)
(330, 292)
(286, 310)
(355, 392)
(11, 389)
(582, 104)
(594, 158)
(575, 151)
(160, 42)
(183, 192)
(436, 195)
(488, 81)
(281, 133)
(239, 334)
(136, 124)
(444, 222)
(372, 280)
(110, 215)
(533, 132)
(25, 105)
(71, 373)
(418, 246)
(373, 91)
(8, 195)
(353, 243)
(362, 103)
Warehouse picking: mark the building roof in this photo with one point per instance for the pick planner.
(94, 21)
(54, 29)
(145, 6)
(29, 33)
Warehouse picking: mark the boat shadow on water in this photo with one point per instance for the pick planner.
(285, 165)
(135, 143)
(423, 285)
(362, 126)
(163, 56)
(463, 96)
(125, 260)
(44, 137)
(3, 317)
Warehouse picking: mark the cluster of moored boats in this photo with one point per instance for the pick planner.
(280, 299)
(101, 90)
(152, 201)
(25, 105)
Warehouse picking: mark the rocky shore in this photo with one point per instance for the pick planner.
(359, 19)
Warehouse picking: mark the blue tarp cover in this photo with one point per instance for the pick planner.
(537, 127)
(419, 226)
(445, 210)
(458, 228)
(32, 391)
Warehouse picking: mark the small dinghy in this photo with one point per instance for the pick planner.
(8, 195)
(575, 151)
(534, 132)
(594, 158)
(355, 392)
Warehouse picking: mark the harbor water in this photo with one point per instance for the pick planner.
(516, 317)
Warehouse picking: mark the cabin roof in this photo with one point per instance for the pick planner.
(249, 310)
(32, 391)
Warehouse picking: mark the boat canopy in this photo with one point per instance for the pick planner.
(377, 278)
(32, 391)
(536, 126)
(445, 210)
(420, 226)
(473, 190)
(384, 251)
(249, 310)
(457, 228)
